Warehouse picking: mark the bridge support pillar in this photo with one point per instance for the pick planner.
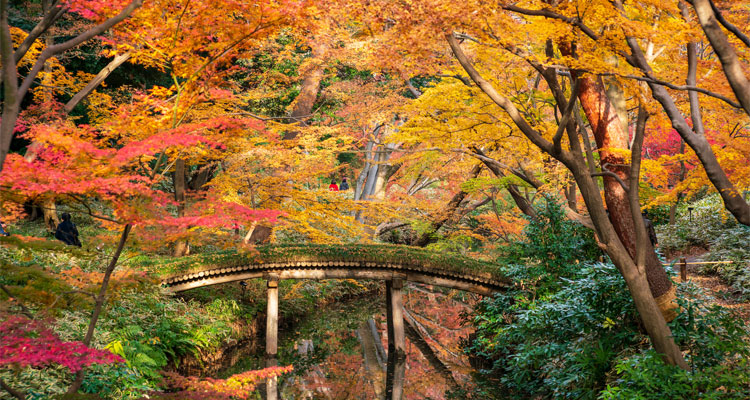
(394, 376)
(395, 316)
(272, 334)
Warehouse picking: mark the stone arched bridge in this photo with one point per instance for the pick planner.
(309, 261)
(394, 264)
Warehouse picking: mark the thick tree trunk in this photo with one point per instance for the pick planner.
(11, 97)
(303, 105)
(610, 138)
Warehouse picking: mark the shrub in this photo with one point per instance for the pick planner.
(732, 245)
(561, 345)
(709, 220)
(569, 330)
(715, 343)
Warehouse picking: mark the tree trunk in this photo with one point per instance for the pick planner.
(13, 92)
(570, 195)
(97, 80)
(11, 97)
(303, 104)
(609, 138)
(99, 301)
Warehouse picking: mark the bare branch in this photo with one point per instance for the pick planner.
(69, 44)
(24, 310)
(553, 15)
(728, 25)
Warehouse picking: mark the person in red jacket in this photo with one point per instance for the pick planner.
(333, 187)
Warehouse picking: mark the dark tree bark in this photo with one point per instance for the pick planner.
(608, 134)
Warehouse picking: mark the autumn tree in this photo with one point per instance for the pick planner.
(559, 136)
(103, 15)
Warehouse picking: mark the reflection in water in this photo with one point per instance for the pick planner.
(395, 376)
(339, 352)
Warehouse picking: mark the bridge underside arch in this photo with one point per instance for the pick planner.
(335, 274)
(333, 270)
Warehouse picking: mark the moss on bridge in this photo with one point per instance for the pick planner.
(376, 253)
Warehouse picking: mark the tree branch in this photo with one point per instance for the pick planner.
(24, 310)
(500, 100)
(13, 392)
(565, 118)
(69, 44)
(728, 25)
(553, 15)
(730, 63)
(52, 14)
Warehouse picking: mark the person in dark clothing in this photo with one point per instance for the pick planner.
(66, 232)
(2, 230)
(344, 184)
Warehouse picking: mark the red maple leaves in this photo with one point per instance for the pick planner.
(28, 343)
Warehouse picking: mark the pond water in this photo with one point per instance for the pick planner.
(341, 350)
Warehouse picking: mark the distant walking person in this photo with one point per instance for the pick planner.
(2, 230)
(67, 232)
(333, 187)
(344, 184)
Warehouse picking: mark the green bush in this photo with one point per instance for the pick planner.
(732, 245)
(552, 247)
(714, 340)
(569, 330)
(708, 221)
(561, 345)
